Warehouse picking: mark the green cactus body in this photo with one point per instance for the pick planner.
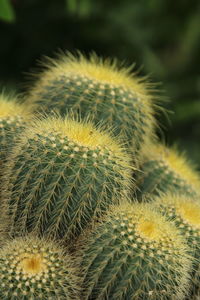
(32, 268)
(163, 169)
(185, 212)
(135, 253)
(12, 120)
(61, 175)
(99, 88)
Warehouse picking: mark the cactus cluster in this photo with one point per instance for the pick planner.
(79, 160)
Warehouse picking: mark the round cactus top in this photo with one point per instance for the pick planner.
(33, 264)
(172, 160)
(105, 71)
(150, 227)
(33, 267)
(78, 133)
(185, 208)
(10, 107)
(32, 257)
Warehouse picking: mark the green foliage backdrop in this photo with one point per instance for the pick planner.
(162, 37)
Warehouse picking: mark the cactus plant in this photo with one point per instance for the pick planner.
(12, 118)
(102, 88)
(32, 268)
(163, 169)
(61, 174)
(135, 253)
(185, 211)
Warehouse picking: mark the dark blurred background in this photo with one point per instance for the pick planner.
(161, 37)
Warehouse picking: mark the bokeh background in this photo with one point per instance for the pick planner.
(161, 37)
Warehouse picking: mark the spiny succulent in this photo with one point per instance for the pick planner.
(61, 174)
(12, 120)
(185, 212)
(100, 88)
(134, 253)
(163, 169)
(32, 268)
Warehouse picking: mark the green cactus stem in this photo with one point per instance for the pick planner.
(163, 169)
(61, 175)
(135, 253)
(32, 268)
(12, 120)
(185, 211)
(100, 88)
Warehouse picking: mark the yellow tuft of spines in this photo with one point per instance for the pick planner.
(188, 209)
(174, 161)
(82, 133)
(9, 106)
(149, 224)
(102, 71)
(33, 268)
(106, 71)
(33, 264)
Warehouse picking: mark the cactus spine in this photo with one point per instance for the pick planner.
(61, 174)
(185, 212)
(32, 268)
(12, 120)
(164, 169)
(135, 253)
(101, 88)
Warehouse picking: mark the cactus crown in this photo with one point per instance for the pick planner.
(186, 209)
(32, 268)
(173, 161)
(81, 134)
(33, 264)
(9, 107)
(149, 224)
(105, 71)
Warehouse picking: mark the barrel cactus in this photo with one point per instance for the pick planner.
(185, 211)
(135, 253)
(13, 116)
(32, 268)
(163, 169)
(100, 88)
(61, 174)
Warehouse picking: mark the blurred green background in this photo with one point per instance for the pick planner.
(161, 37)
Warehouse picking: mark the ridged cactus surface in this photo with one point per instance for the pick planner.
(31, 269)
(185, 211)
(12, 120)
(134, 254)
(61, 174)
(100, 88)
(163, 169)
